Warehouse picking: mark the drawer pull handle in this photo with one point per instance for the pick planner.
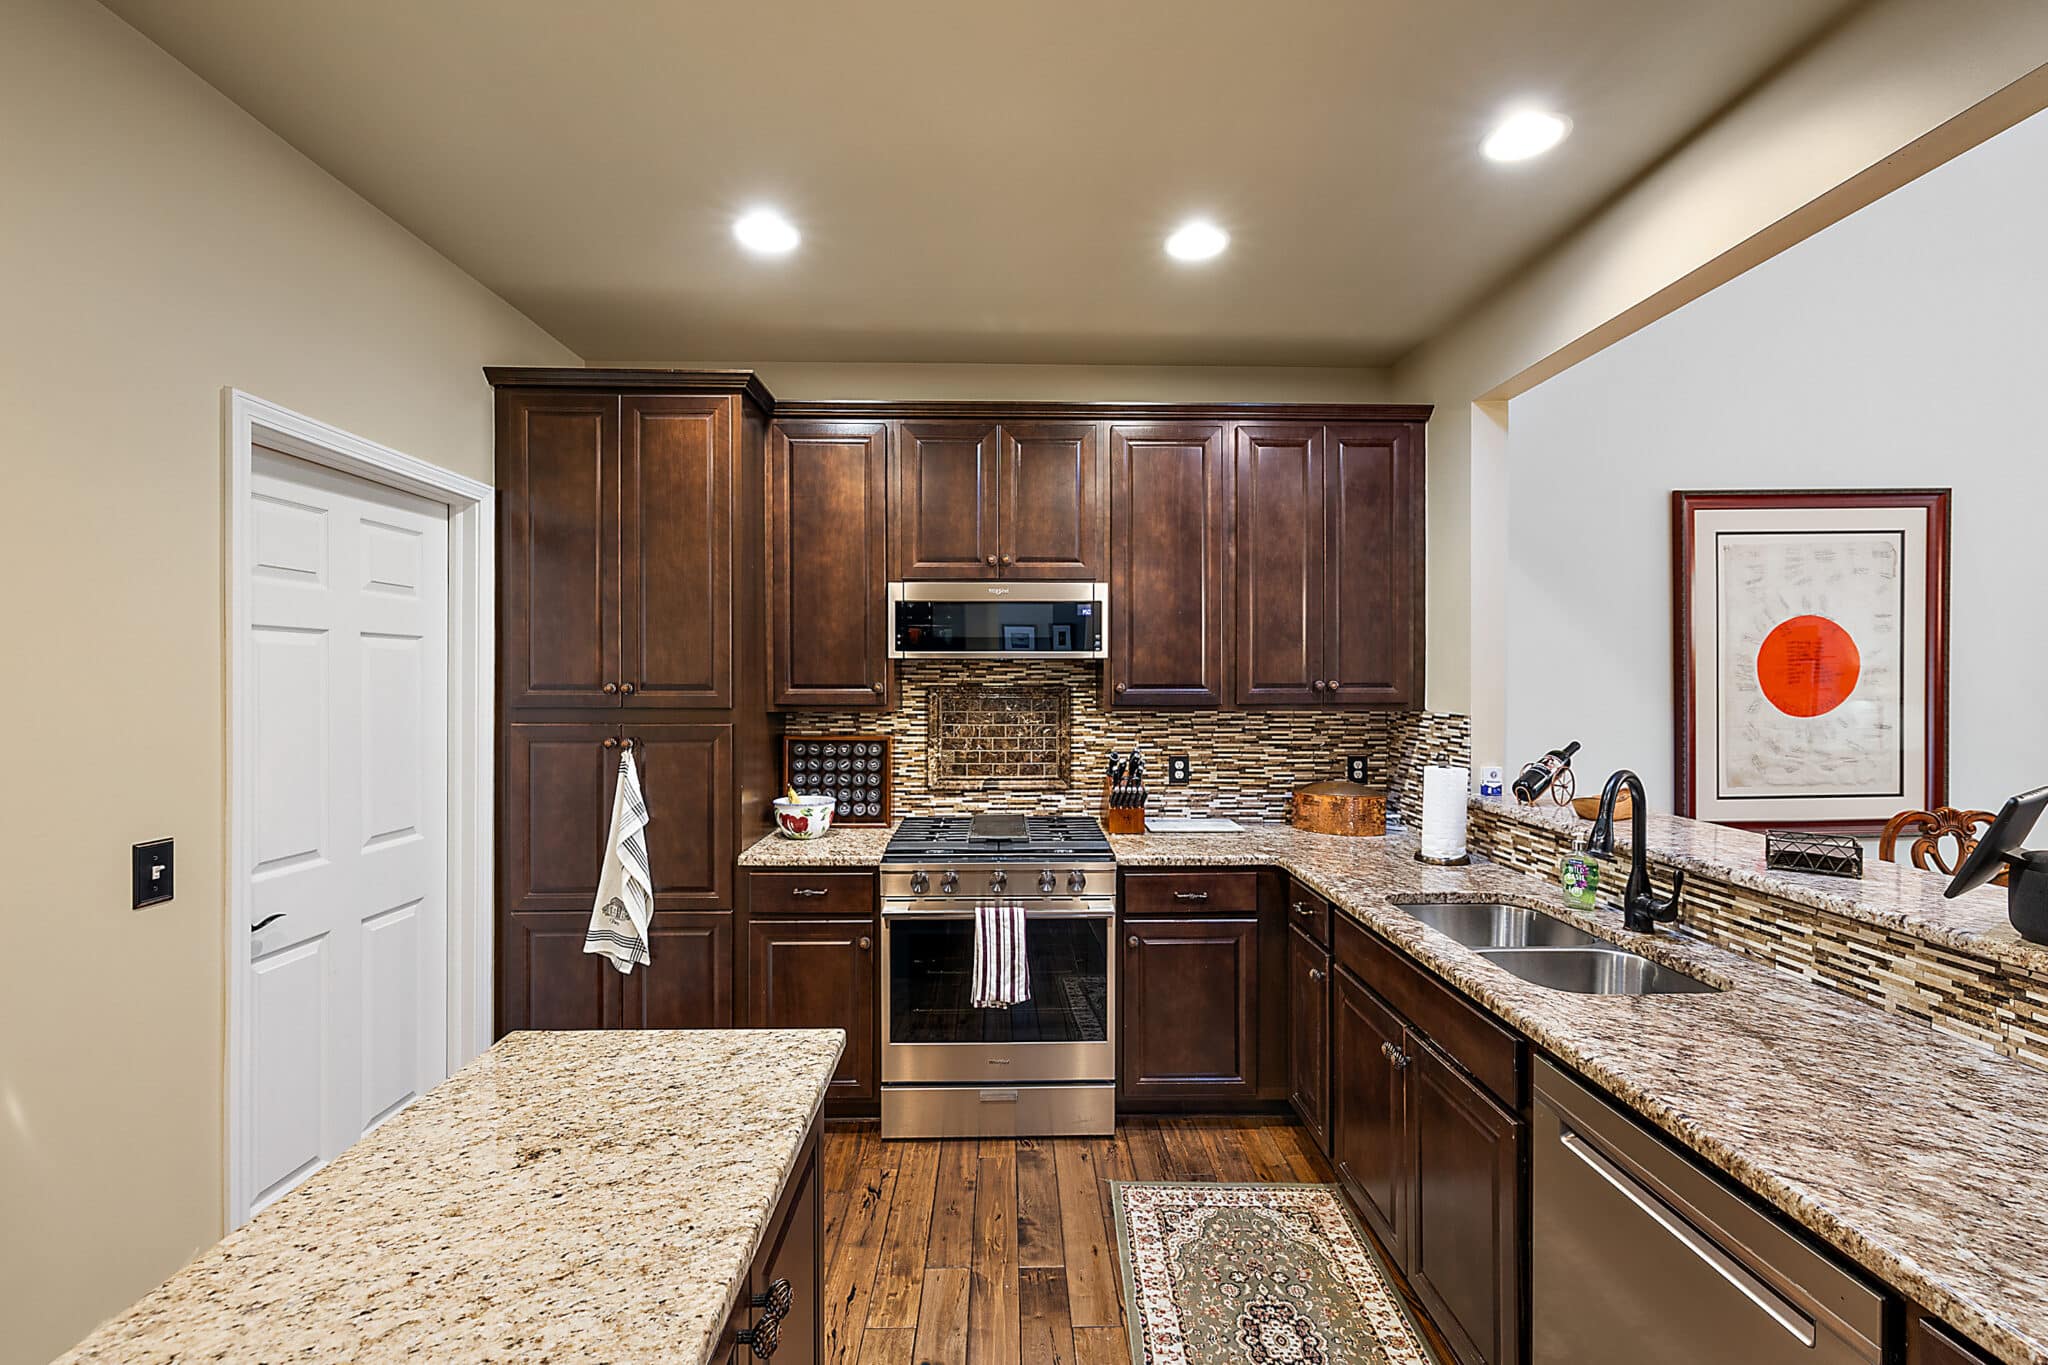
(1195, 896)
(1301, 909)
(1394, 1055)
(810, 891)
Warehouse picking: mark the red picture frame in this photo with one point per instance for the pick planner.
(1927, 508)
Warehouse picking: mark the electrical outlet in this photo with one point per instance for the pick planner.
(153, 869)
(1356, 769)
(1179, 771)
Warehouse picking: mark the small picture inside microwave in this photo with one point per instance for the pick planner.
(1019, 637)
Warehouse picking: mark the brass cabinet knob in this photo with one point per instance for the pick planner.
(1008, 560)
(610, 743)
(1317, 685)
(1131, 942)
(1121, 688)
(1315, 973)
(866, 943)
(626, 689)
(991, 561)
(878, 689)
(611, 689)
(627, 743)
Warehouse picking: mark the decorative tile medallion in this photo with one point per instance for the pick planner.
(981, 738)
(1255, 1275)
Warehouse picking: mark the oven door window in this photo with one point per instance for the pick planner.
(930, 984)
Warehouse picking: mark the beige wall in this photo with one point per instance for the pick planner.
(1899, 87)
(811, 380)
(156, 244)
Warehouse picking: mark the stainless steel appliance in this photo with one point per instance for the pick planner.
(1638, 1254)
(998, 620)
(1043, 1067)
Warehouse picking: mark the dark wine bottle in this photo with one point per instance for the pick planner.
(1537, 777)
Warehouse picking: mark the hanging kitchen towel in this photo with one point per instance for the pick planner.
(625, 888)
(1001, 975)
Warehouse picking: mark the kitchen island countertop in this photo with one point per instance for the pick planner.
(565, 1197)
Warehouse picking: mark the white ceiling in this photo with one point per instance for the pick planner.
(981, 182)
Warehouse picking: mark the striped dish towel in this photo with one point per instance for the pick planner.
(1002, 977)
(625, 888)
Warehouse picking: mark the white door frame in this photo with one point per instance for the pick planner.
(471, 586)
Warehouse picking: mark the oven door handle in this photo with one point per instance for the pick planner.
(1031, 912)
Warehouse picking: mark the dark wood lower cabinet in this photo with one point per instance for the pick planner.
(1308, 1035)
(793, 1253)
(1464, 1257)
(689, 982)
(1368, 1111)
(1929, 1343)
(547, 981)
(1190, 1009)
(818, 973)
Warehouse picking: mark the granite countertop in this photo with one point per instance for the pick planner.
(842, 846)
(565, 1197)
(1915, 1154)
(1893, 896)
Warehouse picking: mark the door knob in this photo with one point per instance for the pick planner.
(260, 925)
(610, 688)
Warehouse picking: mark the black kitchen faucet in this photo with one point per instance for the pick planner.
(1640, 909)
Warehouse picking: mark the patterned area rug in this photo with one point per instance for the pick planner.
(1255, 1275)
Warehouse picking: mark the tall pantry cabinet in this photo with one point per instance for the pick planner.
(630, 570)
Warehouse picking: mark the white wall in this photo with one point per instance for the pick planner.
(156, 243)
(1906, 345)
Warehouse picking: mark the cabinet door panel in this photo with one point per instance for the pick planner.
(1373, 601)
(1464, 1259)
(795, 1251)
(1279, 539)
(558, 548)
(828, 635)
(1368, 1134)
(943, 502)
(1169, 533)
(1308, 1034)
(545, 979)
(818, 973)
(685, 773)
(675, 551)
(688, 984)
(1190, 1008)
(554, 810)
(1050, 516)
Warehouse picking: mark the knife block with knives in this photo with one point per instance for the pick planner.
(1124, 795)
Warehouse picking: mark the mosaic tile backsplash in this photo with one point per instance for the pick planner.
(1246, 763)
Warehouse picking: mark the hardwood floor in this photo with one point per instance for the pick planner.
(1003, 1251)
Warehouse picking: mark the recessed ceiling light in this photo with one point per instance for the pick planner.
(1525, 133)
(766, 231)
(1196, 241)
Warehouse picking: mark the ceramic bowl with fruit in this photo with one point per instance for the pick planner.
(803, 817)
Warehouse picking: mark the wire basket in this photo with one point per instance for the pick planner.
(1798, 850)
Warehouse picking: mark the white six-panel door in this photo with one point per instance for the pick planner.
(346, 714)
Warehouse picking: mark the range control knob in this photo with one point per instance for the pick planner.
(1046, 881)
(919, 883)
(949, 882)
(998, 879)
(1077, 881)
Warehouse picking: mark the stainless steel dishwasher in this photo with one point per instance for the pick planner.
(1637, 1254)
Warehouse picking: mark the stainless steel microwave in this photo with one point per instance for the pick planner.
(998, 620)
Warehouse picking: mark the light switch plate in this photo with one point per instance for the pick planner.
(1356, 769)
(1179, 771)
(153, 872)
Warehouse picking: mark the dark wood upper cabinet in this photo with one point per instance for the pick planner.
(943, 501)
(675, 551)
(1373, 602)
(1170, 547)
(1280, 474)
(819, 973)
(828, 640)
(1464, 1258)
(1049, 516)
(557, 548)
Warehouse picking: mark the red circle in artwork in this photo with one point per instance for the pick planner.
(1808, 666)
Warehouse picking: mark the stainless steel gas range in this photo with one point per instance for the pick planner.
(1043, 1067)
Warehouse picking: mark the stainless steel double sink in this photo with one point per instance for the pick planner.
(1545, 951)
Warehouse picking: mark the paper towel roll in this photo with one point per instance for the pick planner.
(1443, 812)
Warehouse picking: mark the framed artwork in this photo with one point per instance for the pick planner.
(1812, 656)
(1062, 637)
(1019, 637)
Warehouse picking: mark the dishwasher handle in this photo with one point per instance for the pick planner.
(1720, 1262)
